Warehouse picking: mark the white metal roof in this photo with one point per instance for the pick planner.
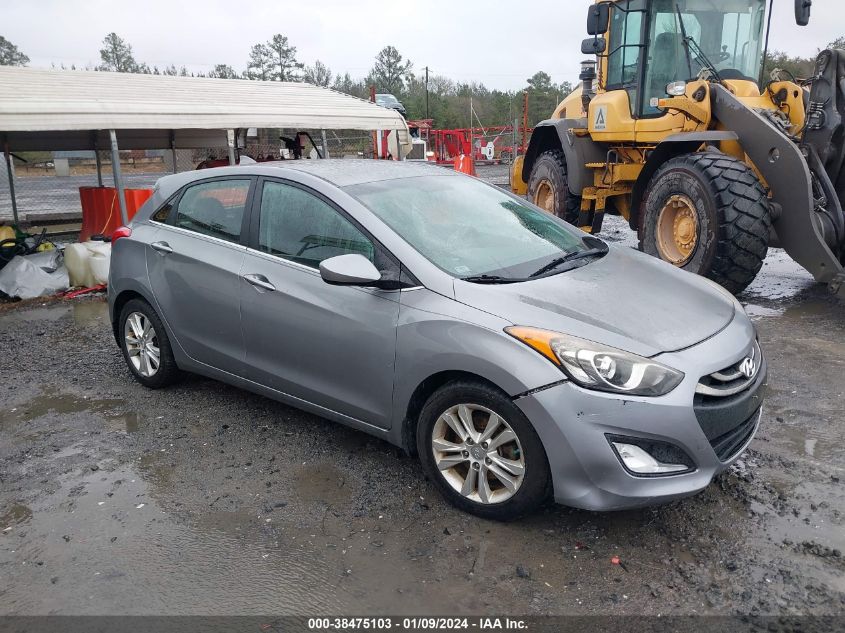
(36, 100)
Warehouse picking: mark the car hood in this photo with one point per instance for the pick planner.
(625, 299)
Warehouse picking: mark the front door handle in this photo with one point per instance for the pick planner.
(162, 247)
(259, 281)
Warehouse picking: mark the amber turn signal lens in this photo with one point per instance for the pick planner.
(540, 340)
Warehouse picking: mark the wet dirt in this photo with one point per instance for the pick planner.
(203, 499)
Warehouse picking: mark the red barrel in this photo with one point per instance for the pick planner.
(101, 209)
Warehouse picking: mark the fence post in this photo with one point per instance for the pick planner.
(10, 170)
(99, 168)
(325, 144)
(95, 144)
(118, 178)
(173, 150)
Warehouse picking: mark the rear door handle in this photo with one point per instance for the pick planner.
(162, 247)
(259, 281)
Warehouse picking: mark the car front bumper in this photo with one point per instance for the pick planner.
(574, 425)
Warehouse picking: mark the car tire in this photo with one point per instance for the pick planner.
(728, 208)
(494, 465)
(138, 352)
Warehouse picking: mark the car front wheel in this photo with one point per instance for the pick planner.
(482, 452)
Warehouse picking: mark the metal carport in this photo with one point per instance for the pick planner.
(47, 110)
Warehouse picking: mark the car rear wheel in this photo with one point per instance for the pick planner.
(482, 452)
(145, 346)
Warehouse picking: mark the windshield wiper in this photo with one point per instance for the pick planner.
(492, 279)
(692, 46)
(599, 249)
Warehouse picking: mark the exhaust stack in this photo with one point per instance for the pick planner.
(588, 81)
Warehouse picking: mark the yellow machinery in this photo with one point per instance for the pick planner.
(675, 129)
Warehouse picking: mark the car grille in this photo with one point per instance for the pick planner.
(728, 445)
(728, 404)
(731, 380)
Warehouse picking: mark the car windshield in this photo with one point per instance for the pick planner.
(468, 228)
(387, 99)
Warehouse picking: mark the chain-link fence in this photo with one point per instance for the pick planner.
(47, 183)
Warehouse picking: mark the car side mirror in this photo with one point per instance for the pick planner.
(349, 270)
(593, 46)
(802, 12)
(598, 19)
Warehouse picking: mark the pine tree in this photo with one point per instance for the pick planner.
(116, 55)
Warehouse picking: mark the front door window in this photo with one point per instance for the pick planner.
(300, 227)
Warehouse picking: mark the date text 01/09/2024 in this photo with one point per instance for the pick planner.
(415, 624)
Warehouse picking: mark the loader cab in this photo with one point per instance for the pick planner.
(645, 49)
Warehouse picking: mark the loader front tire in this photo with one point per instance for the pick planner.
(707, 213)
(548, 187)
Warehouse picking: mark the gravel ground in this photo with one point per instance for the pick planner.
(203, 499)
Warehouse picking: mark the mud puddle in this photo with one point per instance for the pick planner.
(83, 312)
(57, 405)
(102, 543)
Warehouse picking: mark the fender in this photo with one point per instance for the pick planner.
(579, 150)
(671, 146)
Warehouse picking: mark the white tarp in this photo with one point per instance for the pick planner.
(37, 100)
(37, 275)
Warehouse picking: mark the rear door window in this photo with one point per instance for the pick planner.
(300, 227)
(214, 208)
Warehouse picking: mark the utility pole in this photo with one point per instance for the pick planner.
(426, 92)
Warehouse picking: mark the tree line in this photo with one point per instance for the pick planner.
(450, 103)
(425, 95)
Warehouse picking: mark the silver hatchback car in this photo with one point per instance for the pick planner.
(517, 356)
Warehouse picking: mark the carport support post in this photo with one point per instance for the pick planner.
(11, 172)
(325, 144)
(230, 141)
(118, 178)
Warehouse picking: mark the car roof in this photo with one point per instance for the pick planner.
(339, 172)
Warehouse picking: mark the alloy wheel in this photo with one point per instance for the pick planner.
(478, 453)
(142, 344)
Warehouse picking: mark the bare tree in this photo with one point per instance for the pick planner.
(318, 74)
(441, 86)
(10, 55)
(116, 55)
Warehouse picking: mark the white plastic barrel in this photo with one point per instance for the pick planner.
(88, 263)
(78, 267)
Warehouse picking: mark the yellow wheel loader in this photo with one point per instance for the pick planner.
(675, 129)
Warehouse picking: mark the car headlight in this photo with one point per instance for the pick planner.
(595, 366)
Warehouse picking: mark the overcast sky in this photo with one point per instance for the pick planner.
(497, 43)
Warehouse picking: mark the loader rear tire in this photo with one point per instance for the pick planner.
(548, 187)
(708, 213)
